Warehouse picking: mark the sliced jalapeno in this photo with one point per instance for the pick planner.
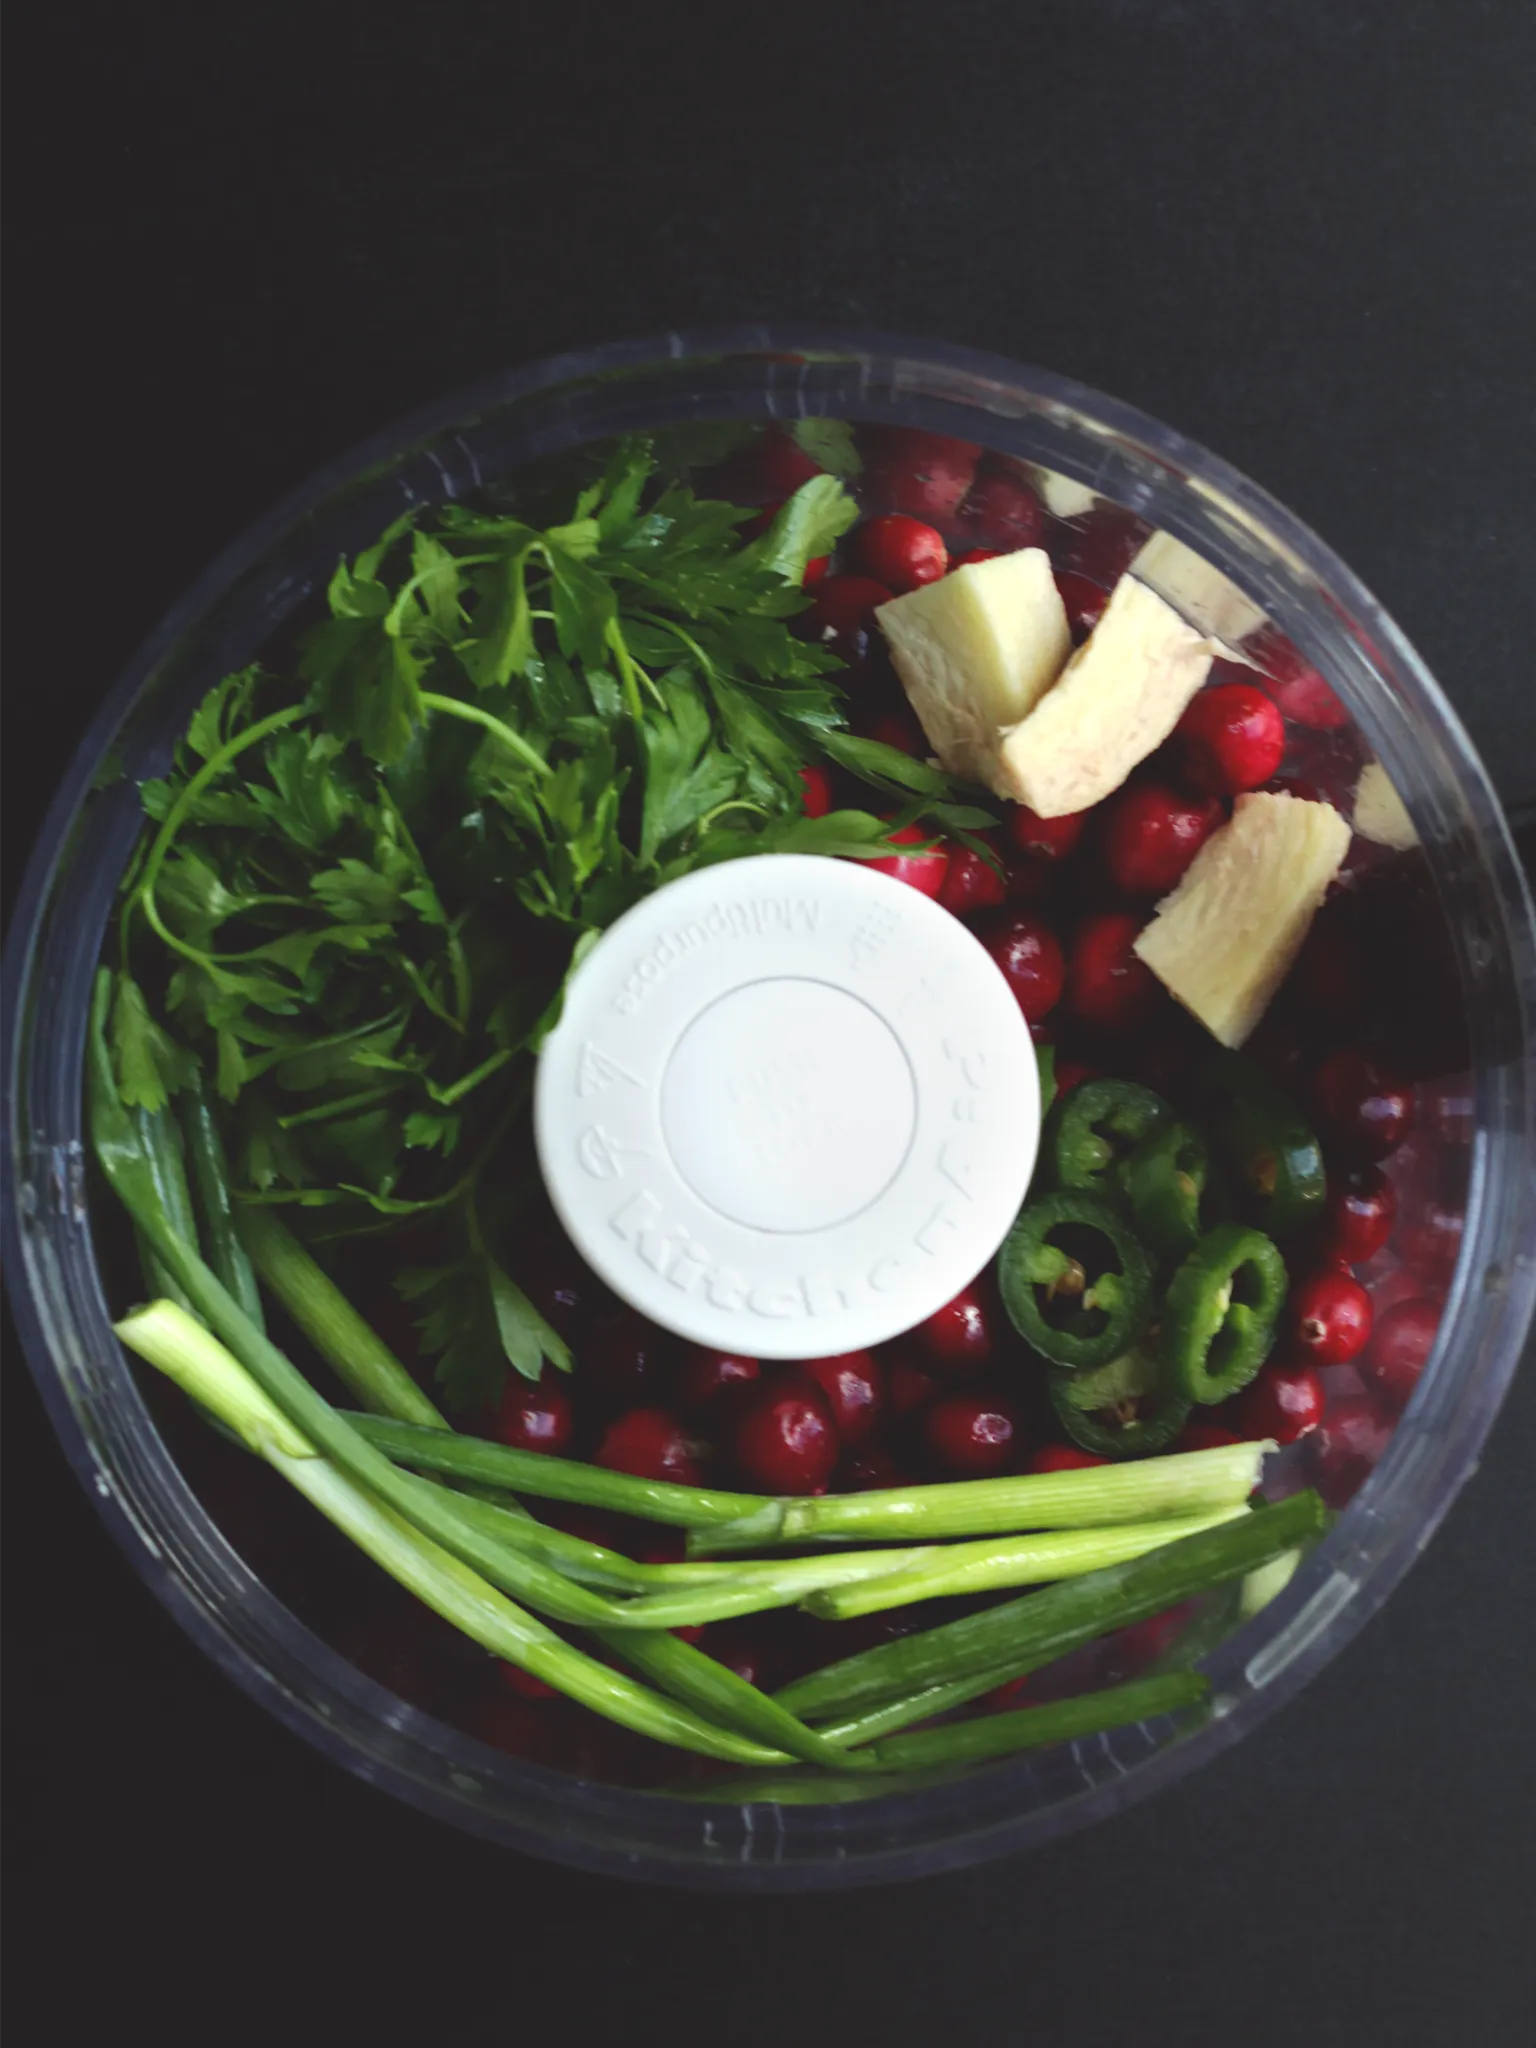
(1126, 1409)
(1223, 1306)
(1075, 1279)
(1091, 1132)
(1275, 1161)
(1173, 1193)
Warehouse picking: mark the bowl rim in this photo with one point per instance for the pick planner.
(1324, 1605)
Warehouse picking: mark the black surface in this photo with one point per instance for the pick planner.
(243, 237)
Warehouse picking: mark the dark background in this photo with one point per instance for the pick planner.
(241, 238)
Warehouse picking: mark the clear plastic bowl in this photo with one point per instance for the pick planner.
(248, 594)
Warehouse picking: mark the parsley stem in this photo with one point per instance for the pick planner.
(453, 707)
(339, 1105)
(447, 1097)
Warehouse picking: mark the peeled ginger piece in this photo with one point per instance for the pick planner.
(1224, 941)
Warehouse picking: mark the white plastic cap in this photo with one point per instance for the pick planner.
(791, 1107)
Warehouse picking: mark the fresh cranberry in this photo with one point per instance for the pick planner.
(1143, 1642)
(817, 569)
(1207, 1436)
(1328, 979)
(660, 1545)
(1108, 985)
(1009, 1694)
(962, 1335)
(900, 552)
(816, 792)
(623, 1359)
(842, 614)
(1028, 955)
(1231, 738)
(592, 1525)
(1276, 1048)
(971, 1434)
(1285, 1402)
(1102, 544)
(515, 1726)
(974, 555)
(749, 1649)
(1070, 1074)
(1357, 1220)
(778, 465)
(1295, 785)
(1330, 1316)
(1363, 1109)
(1002, 507)
(970, 883)
(1399, 1348)
(785, 1440)
(1046, 839)
(704, 1379)
(1084, 600)
(1297, 688)
(1429, 1242)
(1351, 1439)
(908, 1387)
(650, 1444)
(522, 1684)
(535, 1416)
(927, 475)
(871, 1470)
(1151, 834)
(1029, 878)
(893, 724)
(1063, 1458)
(854, 1385)
(924, 871)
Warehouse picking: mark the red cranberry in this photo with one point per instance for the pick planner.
(706, 1378)
(893, 725)
(623, 1358)
(924, 871)
(660, 1545)
(1028, 955)
(1429, 1242)
(778, 465)
(1102, 544)
(841, 615)
(1063, 1458)
(908, 470)
(1028, 877)
(749, 1649)
(785, 1440)
(1151, 834)
(1207, 1436)
(1070, 1074)
(592, 1525)
(1399, 1348)
(908, 1387)
(1084, 599)
(1231, 738)
(1009, 1694)
(1108, 985)
(1330, 1316)
(1285, 1402)
(1297, 688)
(1358, 1218)
(871, 1470)
(971, 1434)
(974, 555)
(535, 1416)
(961, 1336)
(1328, 979)
(1277, 1049)
(651, 1444)
(1352, 1437)
(1001, 507)
(522, 1684)
(900, 552)
(817, 570)
(1045, 839)
(970, 884)
(1363, 1109)
(854, 1385)
(514, 1726)
(816, 792)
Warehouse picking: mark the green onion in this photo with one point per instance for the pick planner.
(465, 1457)
(750, 1588)
(210, 1173)
(1033, 1727)
(198, 1363)
(360, 1358)
(1016, 1561)
(1043, 1626)
(1188, 1483)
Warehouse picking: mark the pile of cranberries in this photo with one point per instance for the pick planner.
(1058, 904)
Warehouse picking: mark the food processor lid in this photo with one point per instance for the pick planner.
(791, 1107)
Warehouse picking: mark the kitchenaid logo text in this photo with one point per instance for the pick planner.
(758, 917)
